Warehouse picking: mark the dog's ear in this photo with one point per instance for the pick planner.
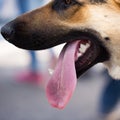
(117, 1)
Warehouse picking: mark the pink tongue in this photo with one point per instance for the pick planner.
(63, 81)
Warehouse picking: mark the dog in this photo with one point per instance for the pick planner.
(91, 29)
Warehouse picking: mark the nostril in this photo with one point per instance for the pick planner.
(7, 32)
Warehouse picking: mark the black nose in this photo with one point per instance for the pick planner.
(7, 31)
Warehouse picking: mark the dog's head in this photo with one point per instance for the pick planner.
(91, 29)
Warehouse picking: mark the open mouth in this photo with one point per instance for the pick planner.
(75, 58)
(82, 51)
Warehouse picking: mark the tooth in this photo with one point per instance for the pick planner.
(83, 47)
(79, 55)
(50, 71)
(87, 45)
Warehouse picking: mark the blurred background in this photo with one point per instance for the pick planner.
(23, 76)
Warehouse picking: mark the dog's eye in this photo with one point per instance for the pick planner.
(68, 2)
(63, 4)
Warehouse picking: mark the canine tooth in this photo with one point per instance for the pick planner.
(50, 71)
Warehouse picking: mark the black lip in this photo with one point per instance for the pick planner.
(38, 40)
